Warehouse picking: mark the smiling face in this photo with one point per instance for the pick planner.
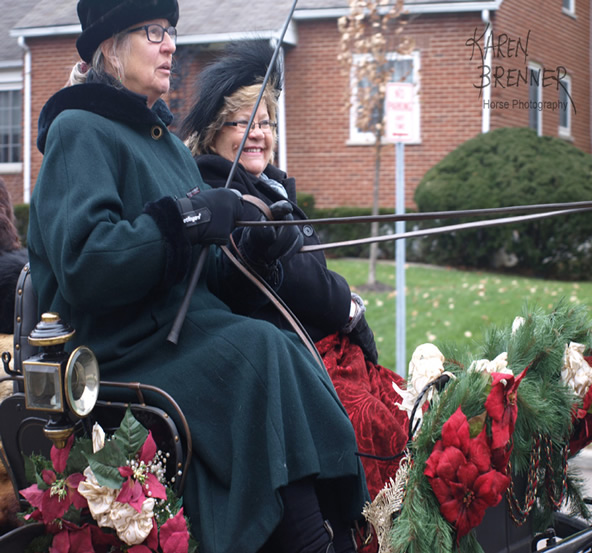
(145, 67)
(258, 150)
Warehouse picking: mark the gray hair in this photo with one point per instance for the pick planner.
(120, 48)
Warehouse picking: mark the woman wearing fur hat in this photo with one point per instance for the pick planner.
(228, 90)
(111, 248)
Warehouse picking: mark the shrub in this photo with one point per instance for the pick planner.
(342, 232)
(510, 167)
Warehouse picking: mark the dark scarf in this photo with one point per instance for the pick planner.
(215, 170)
(102, 95)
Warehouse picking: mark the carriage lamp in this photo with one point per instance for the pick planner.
(58, 382)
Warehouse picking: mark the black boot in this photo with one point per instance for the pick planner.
(303, 529)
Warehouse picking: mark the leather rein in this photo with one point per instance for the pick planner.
(243, 266)
(534, 212)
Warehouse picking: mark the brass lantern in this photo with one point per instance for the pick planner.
(58, 382)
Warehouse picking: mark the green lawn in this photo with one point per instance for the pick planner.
(448, 305)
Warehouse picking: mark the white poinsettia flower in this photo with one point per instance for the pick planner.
(497, 365)
(133, 527)
(427, 364)
(518, 322)
(576, 372)
(100, 498)
(98, 437)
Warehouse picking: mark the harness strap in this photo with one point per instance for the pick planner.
(296, 325)
(259, 204)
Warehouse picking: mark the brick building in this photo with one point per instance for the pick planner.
(477, 65)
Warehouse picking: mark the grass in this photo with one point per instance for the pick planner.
(449, 305)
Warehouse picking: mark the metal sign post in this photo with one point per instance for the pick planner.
(400, 128)
(400, 260)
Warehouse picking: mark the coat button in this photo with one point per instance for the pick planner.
(307, 230)
(156, 132)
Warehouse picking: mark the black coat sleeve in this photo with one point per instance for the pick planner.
(319, 297)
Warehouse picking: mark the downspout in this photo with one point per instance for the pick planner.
(282, 135)
(26, 122)
(282, 138)
(486, 110)
(282, 142)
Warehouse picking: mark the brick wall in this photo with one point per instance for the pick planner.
(318, 125)
(552, 40)
(51, 62)
(316, 87)
(14, 185)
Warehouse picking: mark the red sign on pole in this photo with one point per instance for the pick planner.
(401, 114)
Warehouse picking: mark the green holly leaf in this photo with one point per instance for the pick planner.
(34, 466)
(78, 458)
(30, 470)
(130, 435)
(105, 465)
(476, 424)
(41, 543)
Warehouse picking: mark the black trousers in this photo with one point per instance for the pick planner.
(304, 528)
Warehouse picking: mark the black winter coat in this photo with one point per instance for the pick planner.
(11, 264)
(262, 412)
(320, 298)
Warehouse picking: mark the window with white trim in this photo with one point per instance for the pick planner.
(565, 107)
(569, 7)
(535, 98)
(405, 69)
(11, 126)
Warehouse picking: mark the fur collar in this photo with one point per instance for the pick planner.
(215, 170)
(105, 100)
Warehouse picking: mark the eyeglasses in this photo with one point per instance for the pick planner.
(265, 125)
(155, 32)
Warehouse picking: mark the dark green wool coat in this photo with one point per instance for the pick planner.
(262, 412)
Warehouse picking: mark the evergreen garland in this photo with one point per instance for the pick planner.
(540, 442)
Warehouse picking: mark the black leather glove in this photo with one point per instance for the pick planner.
(358, 330)
(263, 246)
(363, 336)
(210, 216)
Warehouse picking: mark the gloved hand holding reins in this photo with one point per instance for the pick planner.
(210, 216)
(263, 246)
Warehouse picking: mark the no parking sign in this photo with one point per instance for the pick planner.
(402, 113)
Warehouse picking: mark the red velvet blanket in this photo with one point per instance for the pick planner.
(367, 393)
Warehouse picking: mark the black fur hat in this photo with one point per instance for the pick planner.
(242, 63)
(101, 19)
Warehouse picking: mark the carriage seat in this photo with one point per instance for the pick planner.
(25, 318)
(21, 430)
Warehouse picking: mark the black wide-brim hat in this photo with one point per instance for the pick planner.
(241, 64)
(101, 19)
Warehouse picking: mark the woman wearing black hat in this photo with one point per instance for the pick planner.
(111, 248)
(321, 299)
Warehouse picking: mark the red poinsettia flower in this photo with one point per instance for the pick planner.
(141, 483)
(582, 420)
(70, 538)
(88, 538)
(174, 536)
(502, 408)
(580, 412)
(461, 475)
(55, 500)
